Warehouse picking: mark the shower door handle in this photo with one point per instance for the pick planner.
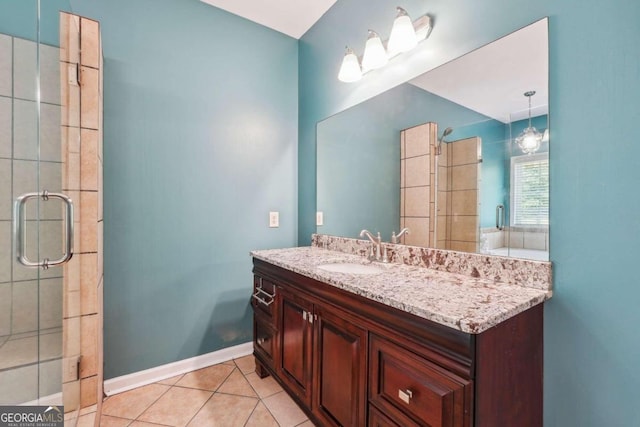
(20, 228)
(500, 217)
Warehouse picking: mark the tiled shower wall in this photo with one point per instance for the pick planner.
(81, 56)
(458, 195)
(417, 181)
(455, 224)
(30, 311)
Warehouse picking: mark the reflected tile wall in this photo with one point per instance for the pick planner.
(458, 187)
(417, 182)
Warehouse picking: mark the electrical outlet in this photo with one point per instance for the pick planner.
(319, 218)
(274, 219)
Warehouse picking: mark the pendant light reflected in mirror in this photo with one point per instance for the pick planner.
(529, 139)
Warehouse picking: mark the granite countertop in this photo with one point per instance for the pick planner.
(468, 304)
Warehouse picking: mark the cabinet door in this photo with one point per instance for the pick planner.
(294, 366)
(340, 370)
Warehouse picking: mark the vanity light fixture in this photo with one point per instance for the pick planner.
(529, 139)
(374, 54)
(405, 35)
(350, 70)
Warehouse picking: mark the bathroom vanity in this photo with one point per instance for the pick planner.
(403, 346)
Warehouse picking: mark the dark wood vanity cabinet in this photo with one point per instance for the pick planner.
(322, 357)
(351, 361)
(264, 303)
(294, 362)
(340, 369)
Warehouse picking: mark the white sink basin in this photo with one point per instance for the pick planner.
(351, 268)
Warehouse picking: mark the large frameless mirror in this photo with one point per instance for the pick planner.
(459, 155)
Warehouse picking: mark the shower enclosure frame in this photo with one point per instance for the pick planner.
(51, 263)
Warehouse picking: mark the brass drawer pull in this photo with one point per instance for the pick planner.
(405, 395)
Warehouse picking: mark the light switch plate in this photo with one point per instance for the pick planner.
(274, 219)
(319, 218)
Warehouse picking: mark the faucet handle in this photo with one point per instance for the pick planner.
(385, 253)
(395, 237)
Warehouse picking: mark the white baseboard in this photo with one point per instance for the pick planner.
(159, 373)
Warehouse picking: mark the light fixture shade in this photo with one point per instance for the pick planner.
(529, 140)
(350, 70)
(374, 54)
(403, 35)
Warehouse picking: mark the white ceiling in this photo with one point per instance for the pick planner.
(291, 17)
(492, 80)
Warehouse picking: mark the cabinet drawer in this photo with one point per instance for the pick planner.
(378, 419)
(264, 339)
(264, 296)
(404, 385)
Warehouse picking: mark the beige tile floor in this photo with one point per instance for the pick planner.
(229, 394)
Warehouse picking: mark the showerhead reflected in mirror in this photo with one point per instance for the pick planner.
(406, 157)
(446, 133)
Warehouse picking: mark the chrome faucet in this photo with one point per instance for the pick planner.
(380, 250)
(395, 238)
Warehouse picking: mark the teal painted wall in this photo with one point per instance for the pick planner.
(199, 145)
(19, 19)
(591, 345)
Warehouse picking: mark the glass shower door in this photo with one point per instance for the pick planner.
(36, 217)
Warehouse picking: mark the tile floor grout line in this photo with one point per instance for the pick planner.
(145, 409)
(237, 395)
(225, 378)
(269, 411)
(252, 411)
(170, 387)
(256, 391)
(119, 418)
(200, 409)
